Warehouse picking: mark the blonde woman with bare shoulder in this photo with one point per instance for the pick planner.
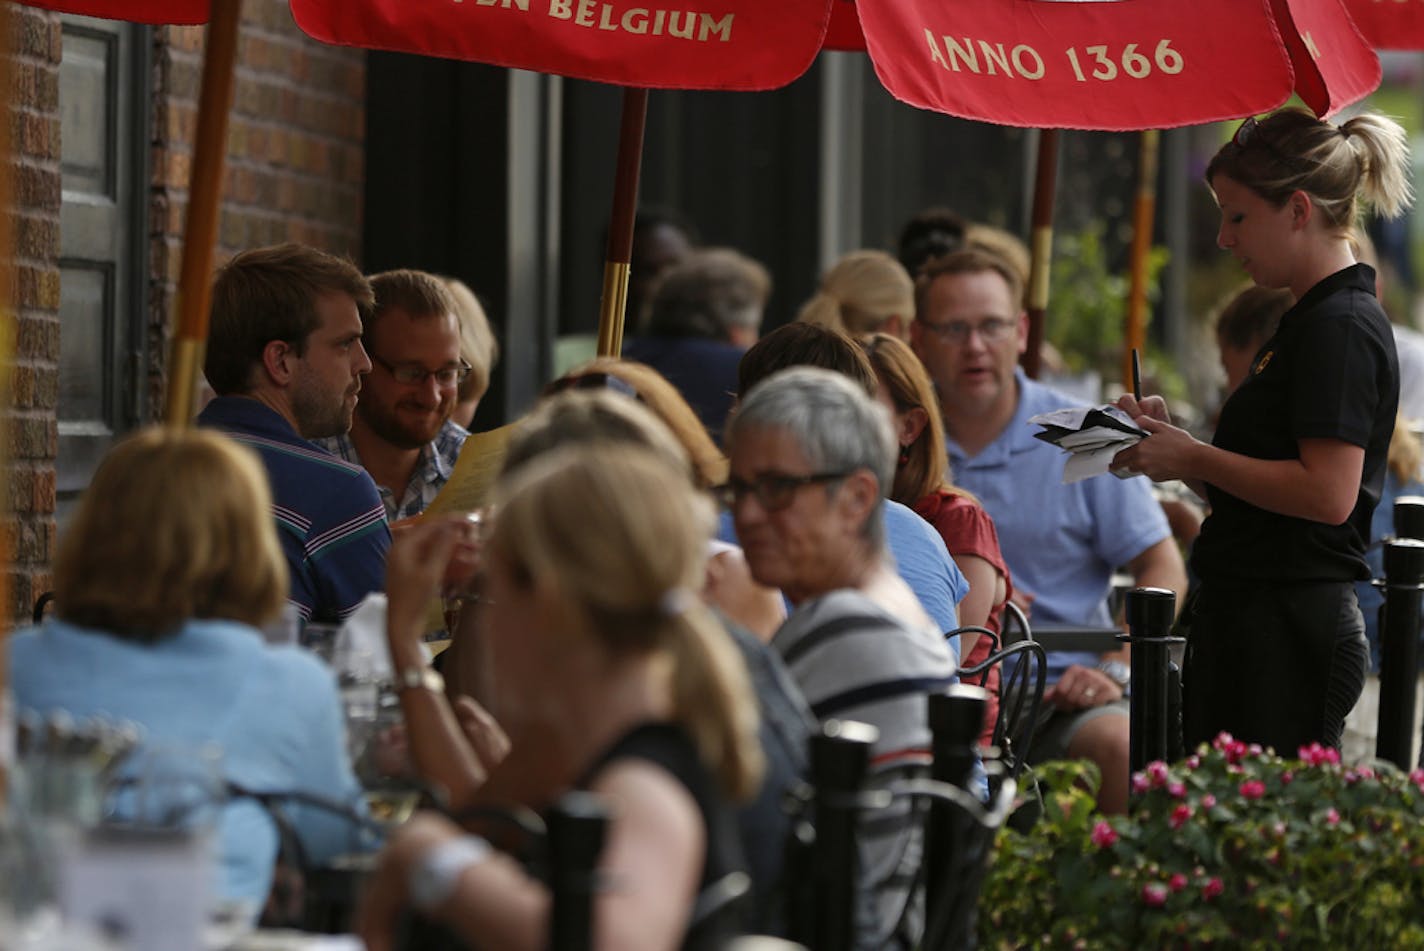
(1276, 652)
(595, 638)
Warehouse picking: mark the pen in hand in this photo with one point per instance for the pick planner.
(1136, 377)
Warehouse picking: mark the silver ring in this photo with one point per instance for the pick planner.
(1090, 692)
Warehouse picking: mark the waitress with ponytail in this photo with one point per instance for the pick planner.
(595, 641)
(1276, 651)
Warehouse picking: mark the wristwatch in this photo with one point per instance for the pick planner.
(433, 878)
(420, 678)
(1118, 672)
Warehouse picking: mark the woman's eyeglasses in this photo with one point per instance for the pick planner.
(773, 491)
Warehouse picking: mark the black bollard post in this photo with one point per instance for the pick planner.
(1176, 743)
(1409, 517)
(1150, 612)
(956, 719)
(577, 825)
(840, 758)
(1399, 649)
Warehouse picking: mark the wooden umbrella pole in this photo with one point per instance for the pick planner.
(1041, 247)
(201, 230)
(1143, 211)
(618, 261)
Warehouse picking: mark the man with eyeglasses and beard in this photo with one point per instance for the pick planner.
(402, 433)
(1062, 542)
(810, 455)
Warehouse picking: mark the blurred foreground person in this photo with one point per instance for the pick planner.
(594, 638)
(811, 457)
(607, 417)
(918, 579)
(166, 571)
(1276, 653)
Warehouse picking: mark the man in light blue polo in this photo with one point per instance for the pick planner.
(1062, 542)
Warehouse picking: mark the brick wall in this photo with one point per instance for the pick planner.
(296, 160)
(295, 168)
(33, 432)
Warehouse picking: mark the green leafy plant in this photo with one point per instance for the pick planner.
(1087, 309)
(1234, 847)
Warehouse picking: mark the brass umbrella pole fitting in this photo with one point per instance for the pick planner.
(620, 230)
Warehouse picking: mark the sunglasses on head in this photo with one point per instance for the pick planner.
(591, 381)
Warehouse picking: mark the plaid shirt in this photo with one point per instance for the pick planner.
(432, 469)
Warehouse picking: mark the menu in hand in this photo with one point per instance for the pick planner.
(1092, 436)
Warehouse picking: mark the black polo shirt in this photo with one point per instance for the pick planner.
(1330, 372)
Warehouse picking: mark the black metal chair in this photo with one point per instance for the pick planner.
(1023, 672)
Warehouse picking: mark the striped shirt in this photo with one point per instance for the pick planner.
(854, 661)
(432, 469)
(330, 519)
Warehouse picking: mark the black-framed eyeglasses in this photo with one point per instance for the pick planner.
(410, 374)
(597, 380)
(773, 490)
(991, 330)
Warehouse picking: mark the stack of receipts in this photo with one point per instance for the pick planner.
(1091, 436)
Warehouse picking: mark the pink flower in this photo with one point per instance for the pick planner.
(1212, 888)
(1157, 774)
(1332, 817)
(1193, 761)
(1208, 801)
(1287, 777)
(1179, 816)
(1177, 882)
(1233, 748)
(1139, 783)
(1252, 789)
(1317, 755)
(1177, 790)
(1103, 835)
(1154, 894)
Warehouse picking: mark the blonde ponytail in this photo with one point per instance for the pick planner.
(713, 700)
(1383, 148)
(617, 537)
(823, 310)
(860, 292)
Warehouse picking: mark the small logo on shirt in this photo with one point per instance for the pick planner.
(1262, 363)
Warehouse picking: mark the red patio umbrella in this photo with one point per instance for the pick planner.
(1389, 24)
(724, 44)
(175, 12)
(1113, 65)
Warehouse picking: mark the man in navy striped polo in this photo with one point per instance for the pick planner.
(285, 358)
